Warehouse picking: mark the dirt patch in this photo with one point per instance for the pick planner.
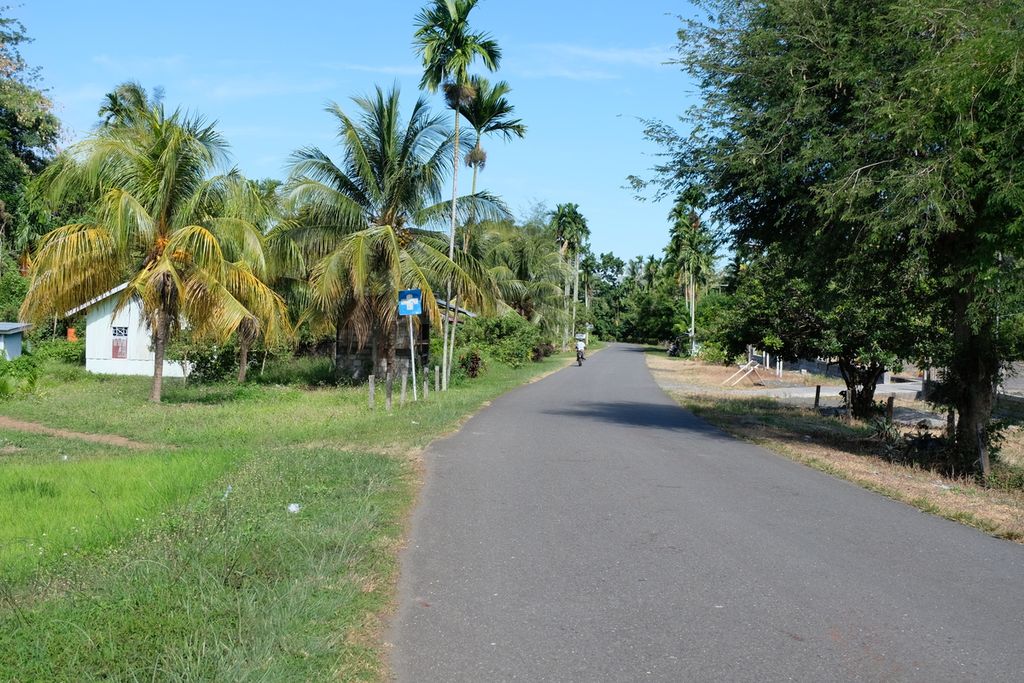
(691, 374)
(106, 439)
(10, 449)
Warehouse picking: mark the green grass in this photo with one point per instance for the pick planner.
(195, 568)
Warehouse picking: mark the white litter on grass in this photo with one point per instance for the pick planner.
(227, 492)
(294, 507)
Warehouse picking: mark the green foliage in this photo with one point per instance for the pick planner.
(18, 375)
(62, 350)
(874, 147)
(289, 370)
(713, 352)
(509, 339)
(209, 361)
(471, 362)
(12, 288)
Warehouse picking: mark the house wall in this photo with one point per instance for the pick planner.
(99, 338)
(10, 345)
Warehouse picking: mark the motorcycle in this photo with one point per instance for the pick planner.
(673, 349)
(579, 357)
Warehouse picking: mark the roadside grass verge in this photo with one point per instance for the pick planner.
(221, 579)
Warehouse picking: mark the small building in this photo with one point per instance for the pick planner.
(119, 344)
(10, 339)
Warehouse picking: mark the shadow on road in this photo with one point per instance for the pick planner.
(635, 414)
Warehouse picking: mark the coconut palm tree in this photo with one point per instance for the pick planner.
(154, 222)
(448, 47)
(489, 114)
(363, 224)
(571, 232)
(528, 270)
(691, 256)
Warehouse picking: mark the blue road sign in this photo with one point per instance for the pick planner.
(410, 302)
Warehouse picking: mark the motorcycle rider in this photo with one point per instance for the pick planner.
(580, 348)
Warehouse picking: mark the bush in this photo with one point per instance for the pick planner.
(305, 371)
(542, 351)
(509, 339)
(72, 352)
(712, 352)
(471, 362)
(18, 375)
(209, 362)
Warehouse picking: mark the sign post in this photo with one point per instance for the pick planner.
(410, 304)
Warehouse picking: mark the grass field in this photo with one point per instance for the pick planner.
(184, 560)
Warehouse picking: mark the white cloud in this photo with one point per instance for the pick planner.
(567, 73)
(643, 56)
(392, 70)
(168, 63)
(246, 87)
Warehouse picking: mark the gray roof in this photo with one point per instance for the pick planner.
(11, 328)
(101, 297)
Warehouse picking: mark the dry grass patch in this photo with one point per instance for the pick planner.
(695, 373)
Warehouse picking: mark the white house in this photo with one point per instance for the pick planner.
(119, 344)
(10, 339)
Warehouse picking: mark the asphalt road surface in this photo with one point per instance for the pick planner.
(585, 528)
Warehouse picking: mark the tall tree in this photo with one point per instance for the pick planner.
(155, 221)
(572, 233)
(489, 113)
(847, 127)
(28, 136)
(362, 223)
(448, 47)
(690, 254)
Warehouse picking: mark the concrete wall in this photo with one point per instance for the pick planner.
(99, 337)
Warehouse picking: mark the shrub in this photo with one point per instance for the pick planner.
(72, 352)
(208, 362)
(509, 339)
(712, 352)
(471, 362)
(18, 375)
(305, 371)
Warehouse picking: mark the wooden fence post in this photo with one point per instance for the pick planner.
(817, 396)
(426, 388)
(388, 389)
(405, 381)
(437, 378)
(373, 387)
(890, 408)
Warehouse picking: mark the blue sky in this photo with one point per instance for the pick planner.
(582, 73)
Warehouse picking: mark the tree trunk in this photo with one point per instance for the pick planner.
(339, 329)
(472, 220)
(575, 291)
(693, 316)
(860, 380)
(445, 370)
(243, 360)
(972, 375)
(163, 323)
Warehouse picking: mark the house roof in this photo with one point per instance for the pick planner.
(92, 302)
(12, 328)
(441, 303)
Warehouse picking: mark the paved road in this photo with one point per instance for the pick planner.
(584, 528)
